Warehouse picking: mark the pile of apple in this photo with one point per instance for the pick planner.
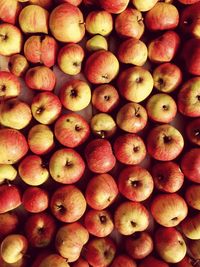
(121, 188)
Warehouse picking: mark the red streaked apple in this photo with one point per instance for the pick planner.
(192, 196)
(9, 85)
(123, 260)
(9, 10)
(116, 8)
(18, 65)
(152, 261)
(7, 173)
(9, 223)
(193, 131)
(144, 6)
(54, 260)
(191, 227)
(97, 42)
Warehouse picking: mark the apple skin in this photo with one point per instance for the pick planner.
(185, 262)
(188, 2)
(98, 223)
(68, 204)
(129, 23)
(75, 95)
(129, 149)
(54, 260)
(11, 39)
(60, 19)
(170, 244)
(13, 146)
(34, 19)
(100, 251)
(101, 191)
(99, 156)
(135, 183)
(35, 199)
(123, 260)
(70, 58)
(169, 209)
(190, 165)
(9, 85)
(193, 131)
(73, 2)
(152, 261)
(192, 196)
(144, 6)
(66, 166)
(15, 114)
(162, 16)
(139, 245)
(132, 118)
(43, 3)
(161, 108)
(46, 107)
(40, 229)
(167, 77)
(164, 48)
(70, 240)
(20, 263)
(97, 42)
(105, 98)
(36, 78)
(18, 65)
(7, 173)
(131, 217)
(80, 263)
(165, 142)
(188, 98)
(116, 8)
(135, 84)
(9, 222)
(191, 227)
(39, 49)
(9, 11)
(167, 176)
(101, 67)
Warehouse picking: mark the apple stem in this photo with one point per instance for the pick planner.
(3, 36)
(7, 182)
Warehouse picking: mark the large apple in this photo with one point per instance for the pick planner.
(191, 227)
(192, 196)
(9, 85)
(18, 65)
(7, 173)
(9, 222)
(193, 131)
(152, 261)
(113, 7)
(144, 6)
(9, 10)
(123, 260)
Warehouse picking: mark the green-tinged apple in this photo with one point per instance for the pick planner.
(191, 227)
(75, 95)
(9, 85)
(135, 84)
(7, 173)
(117, 7)
(131, 217)
(66, 23)
(192, 196)
(144, 5)
(70, 58)
(9, 10)
(9, 223)
(152, 261)
(34, 19)
(194, 248)
(80, 263)
(32, 170)
(101, 191)
(193, 131)
(123, 260)
(54, 260)
(18, 65)
(47, 4)
(96, 43)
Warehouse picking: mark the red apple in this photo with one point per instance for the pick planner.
(152, 261)
(188, 2)
(191, 227)
(18, 65)
(117, 7)
(80, 263)
(9, 10)
(10, 198)
(53, 260)
(47, 4)
(9, 222)
(185, 262)
(192, 196)
(193, 131)
(123, 260)
(9, 85)
(73, 2)
(194, 250)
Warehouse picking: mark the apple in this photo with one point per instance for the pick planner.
(13, 248)
(133, 51)
(131, 118)
(161, 108)
(131, 217)
(100, 251)
(41, 49)
(47, 4)
(193, 131)
(71, 130)
(9, 223)
(129, 23)
(40, 229)
(152, 261)
(40, 139)
(99, 156)
(32, 170)
(34, 19)
(18, 65)
(66, 23)
(167, 77)
(43, 254)
(188, 98)
(46, 107)
(165, 142)
(35, 199)
(161, 49)
(13, 146)
(7, 173)
(36, 78)
(101, 67)
(123, 260)
(139, 245)
(70, 58)
(194, 249)
(103, 125)
(192, 196)
(9, 10)
(98, 223)
(70, 239)
(188, 2)
(54, 260)
(170, 244)
(15, 114)
(163, 16)
(73, 2)
(129, 149)
(101, 191)
(167, 176)
(135, 84)
(9, 85)
(185, 262)
(66, 166)
(191, 227)
(99, 22)
(10, 39)
(144, 6)
(190, 165)
(105, 98)
(135, 183)
(97, 42)
(117, 7)
(68, 204)
(20, 263)
(75, 95)
(80, 263)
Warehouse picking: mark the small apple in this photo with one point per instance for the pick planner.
(18, 65)
(9, 85)
(80, 263)
(144, 6)
(54, 260)
(7, 173)
(117, 7)
(96, 43)
(9, 10)
(123, 260)
(9, 222)
(193, 131)
(191, 227)
(152, 261)
(192, 196)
